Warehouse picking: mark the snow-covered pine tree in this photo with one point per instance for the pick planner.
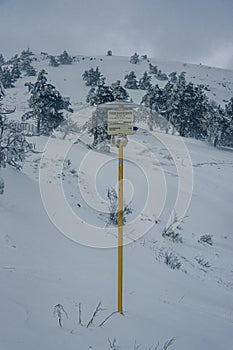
(27, 67)
(144, 82)
(65, 58)
(153, 69)
(30, 71)
(14, 59)
(99, 95)
(93, 77)
(214, 123)
(191, 108)
(119, 93)
(6, 78)
(200, 113)
(170, 102)
(98, 128)
(227, 127)
(171, 93)
(2, 91)
(153, 99)
(91, 96)
(26, 55)
(134, 58)
(2, 60)
(144, 57)
(161, 76)
(173, 77)
(13, 144)
(53, 62)
(13, 147)
(15, 71)
(46, 105)
(131, 81)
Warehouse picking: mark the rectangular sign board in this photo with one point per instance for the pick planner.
(120, 122)
(120, 116)
(118, 129)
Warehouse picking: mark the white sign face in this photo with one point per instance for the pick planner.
(120, 116)
(120, 122)
(117, 129)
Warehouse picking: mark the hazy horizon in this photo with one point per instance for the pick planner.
(181, 30)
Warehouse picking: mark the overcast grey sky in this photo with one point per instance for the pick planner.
(185, 30)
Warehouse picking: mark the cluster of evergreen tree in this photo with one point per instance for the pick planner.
(131, 81)
(104, 93)
(6, 77)
(2, 60)
(99, 95)
(93, 77)
(135, 59)
(64, 58)
(220, 124)
(182, 104)
(13, 69)
(13, 144)
(157, 72)
(24, 63)
(47, 105)
(53, 61)
(13, 147)
(188, 110)
(2, 91)
(144, 82)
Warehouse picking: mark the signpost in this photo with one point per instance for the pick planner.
(120, 228)
(121, 124)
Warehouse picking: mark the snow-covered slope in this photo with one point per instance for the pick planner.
(68, 78)
(40, 267)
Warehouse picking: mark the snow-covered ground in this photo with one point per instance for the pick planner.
(53, 232)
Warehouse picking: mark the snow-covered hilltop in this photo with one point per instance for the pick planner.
(55, 214)
(195, 99)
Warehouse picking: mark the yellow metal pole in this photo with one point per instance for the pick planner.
(120, 227)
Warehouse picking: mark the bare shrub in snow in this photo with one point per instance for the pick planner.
(136, 346)
(58, 311)
(113, 207)
(172, 261)
(107, 318)
(201, 261)
(68, 127)
(98, 308)
(112, 344)
(168, 343)
(206, 239)
(169, 231)
(173, 236)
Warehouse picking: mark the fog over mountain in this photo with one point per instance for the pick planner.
(192, 31)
